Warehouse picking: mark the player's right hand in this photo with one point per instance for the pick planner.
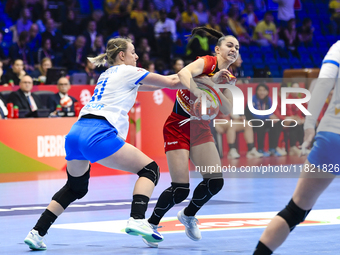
(307, 140)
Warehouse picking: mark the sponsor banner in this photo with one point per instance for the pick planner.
(36, 141)
(155, 109)
(82, 93)
(214, 222)
(38, 144)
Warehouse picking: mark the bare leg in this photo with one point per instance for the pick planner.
(205, 156)
(130, 159)
(248, 134)
(179, 189)
(221, 128)
(178, 165)
(75, 168)
(232, 131)
(231, 134)
(308, 189)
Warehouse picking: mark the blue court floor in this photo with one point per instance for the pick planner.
(231, 222)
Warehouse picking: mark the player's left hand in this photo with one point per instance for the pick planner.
(223, 76)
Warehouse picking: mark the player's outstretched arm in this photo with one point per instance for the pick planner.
(148, 88)
(154, 81)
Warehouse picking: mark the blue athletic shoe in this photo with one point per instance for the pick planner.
(274, 152)
(265, 153)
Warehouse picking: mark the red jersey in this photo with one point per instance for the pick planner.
(183, 96)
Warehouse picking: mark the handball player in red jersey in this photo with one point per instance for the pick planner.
(184, 139)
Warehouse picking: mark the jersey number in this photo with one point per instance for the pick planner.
(99, 91)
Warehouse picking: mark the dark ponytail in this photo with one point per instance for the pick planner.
(211, 32)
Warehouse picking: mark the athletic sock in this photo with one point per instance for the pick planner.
(175, 194)
(203, 192)
(139, 206)
(262, 249)
(250, 146)
(45, 221)
(232, 146)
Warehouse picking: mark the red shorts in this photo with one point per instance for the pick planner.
(178, 137)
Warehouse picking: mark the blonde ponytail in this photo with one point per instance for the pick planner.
(100, 60)
(114, 46)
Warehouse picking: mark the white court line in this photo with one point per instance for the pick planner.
(207, 223)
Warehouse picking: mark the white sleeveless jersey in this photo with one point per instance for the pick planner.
(115, 95)
(328, 77)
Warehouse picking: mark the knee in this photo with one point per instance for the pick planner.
(75, 188)
(79, 185)
(293, 214)
(214, 183)
(150, 171)
(180, 191)
(219, 129)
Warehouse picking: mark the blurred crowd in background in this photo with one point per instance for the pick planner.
(274, 35)
(46, 34)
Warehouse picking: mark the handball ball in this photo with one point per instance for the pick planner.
(211, 111)
(66, 101)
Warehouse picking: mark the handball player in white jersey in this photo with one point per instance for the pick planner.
(322, 164)
(99, 136)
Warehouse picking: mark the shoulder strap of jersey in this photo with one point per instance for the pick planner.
(210, 64)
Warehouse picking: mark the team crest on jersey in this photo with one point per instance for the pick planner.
(337, 109)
